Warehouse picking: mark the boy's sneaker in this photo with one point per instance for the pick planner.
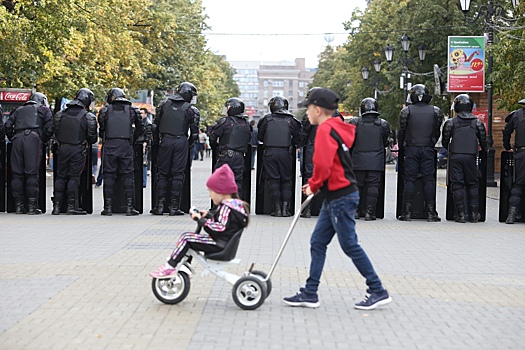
(373, 300)
(301, 299)
(164, 272)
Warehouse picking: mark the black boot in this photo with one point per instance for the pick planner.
(307, 212)
(159, 210)
(174, 208)
(33, 207)
(460, 217)
(130, 210)
(56, 206)
(108, 208)
(370, 213)
(474, 214)
(406, 215)
(20, 207)
(513, 211)
(286, 209)
(432, 215)
(277, 210)
(72, 204)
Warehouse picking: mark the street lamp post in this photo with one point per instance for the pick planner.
(405, 60)
(491, 13)
(365, 73)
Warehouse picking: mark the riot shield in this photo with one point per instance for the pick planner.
(481, 162)
(119, 196)
(508, 169)
(317, 201)
(2, 176)
(418, 202)
(185, 199)
(263, 203)
(41, 181)
(85, 188)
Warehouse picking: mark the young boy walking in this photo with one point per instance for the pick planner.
(333, 175)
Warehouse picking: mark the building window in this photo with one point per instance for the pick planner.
(301, 84)
(265, 83)
(278, 83)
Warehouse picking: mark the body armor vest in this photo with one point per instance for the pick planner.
(27, 118)
(368, 136)
(70, 131)
(118, 125)
(173, 121)
(464, 138)
(420, 125)
(239, 136)
(519, 139)
(278, 133)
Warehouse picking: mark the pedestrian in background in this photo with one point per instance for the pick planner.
(333, 174)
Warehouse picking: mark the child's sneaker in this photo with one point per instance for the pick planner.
(373, 300)
(164, 272)
(301, 299)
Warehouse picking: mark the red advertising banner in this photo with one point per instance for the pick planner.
(483, 115)
(466, 64)
(13, 96)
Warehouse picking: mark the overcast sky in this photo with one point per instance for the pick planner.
(229, 19)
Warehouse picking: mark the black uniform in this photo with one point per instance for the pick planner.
(368, 156)
(174, 118)
(27, 127)
(75, 130)
(419, 129)
(462, 136)
(116, 120)
(279, 133)
(516, 122)
(233, 134)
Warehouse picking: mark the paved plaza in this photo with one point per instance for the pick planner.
(81, 282)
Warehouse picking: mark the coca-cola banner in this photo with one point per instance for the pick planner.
(14, 96)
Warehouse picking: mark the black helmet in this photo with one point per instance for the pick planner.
(116, 94)
(39, 98)
(234, 106)
(368, 106)
(85, 96)
(419, 93)
(187, 91)
(463, 103)
(278, 103)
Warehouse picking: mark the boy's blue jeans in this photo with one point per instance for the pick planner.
(338, 216)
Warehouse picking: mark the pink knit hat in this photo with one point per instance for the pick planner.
(222, 181)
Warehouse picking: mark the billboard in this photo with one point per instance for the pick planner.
(466, 64)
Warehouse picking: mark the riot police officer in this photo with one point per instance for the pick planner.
(462, 136)
(279, 132)
(368, 152)
(116, 120)
(419, 130)
(175, 116)
(516, 122)
(27, 127)
(75, 130)
(233, 133)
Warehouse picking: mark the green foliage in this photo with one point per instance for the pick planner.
(384, 22)
(63, 45)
